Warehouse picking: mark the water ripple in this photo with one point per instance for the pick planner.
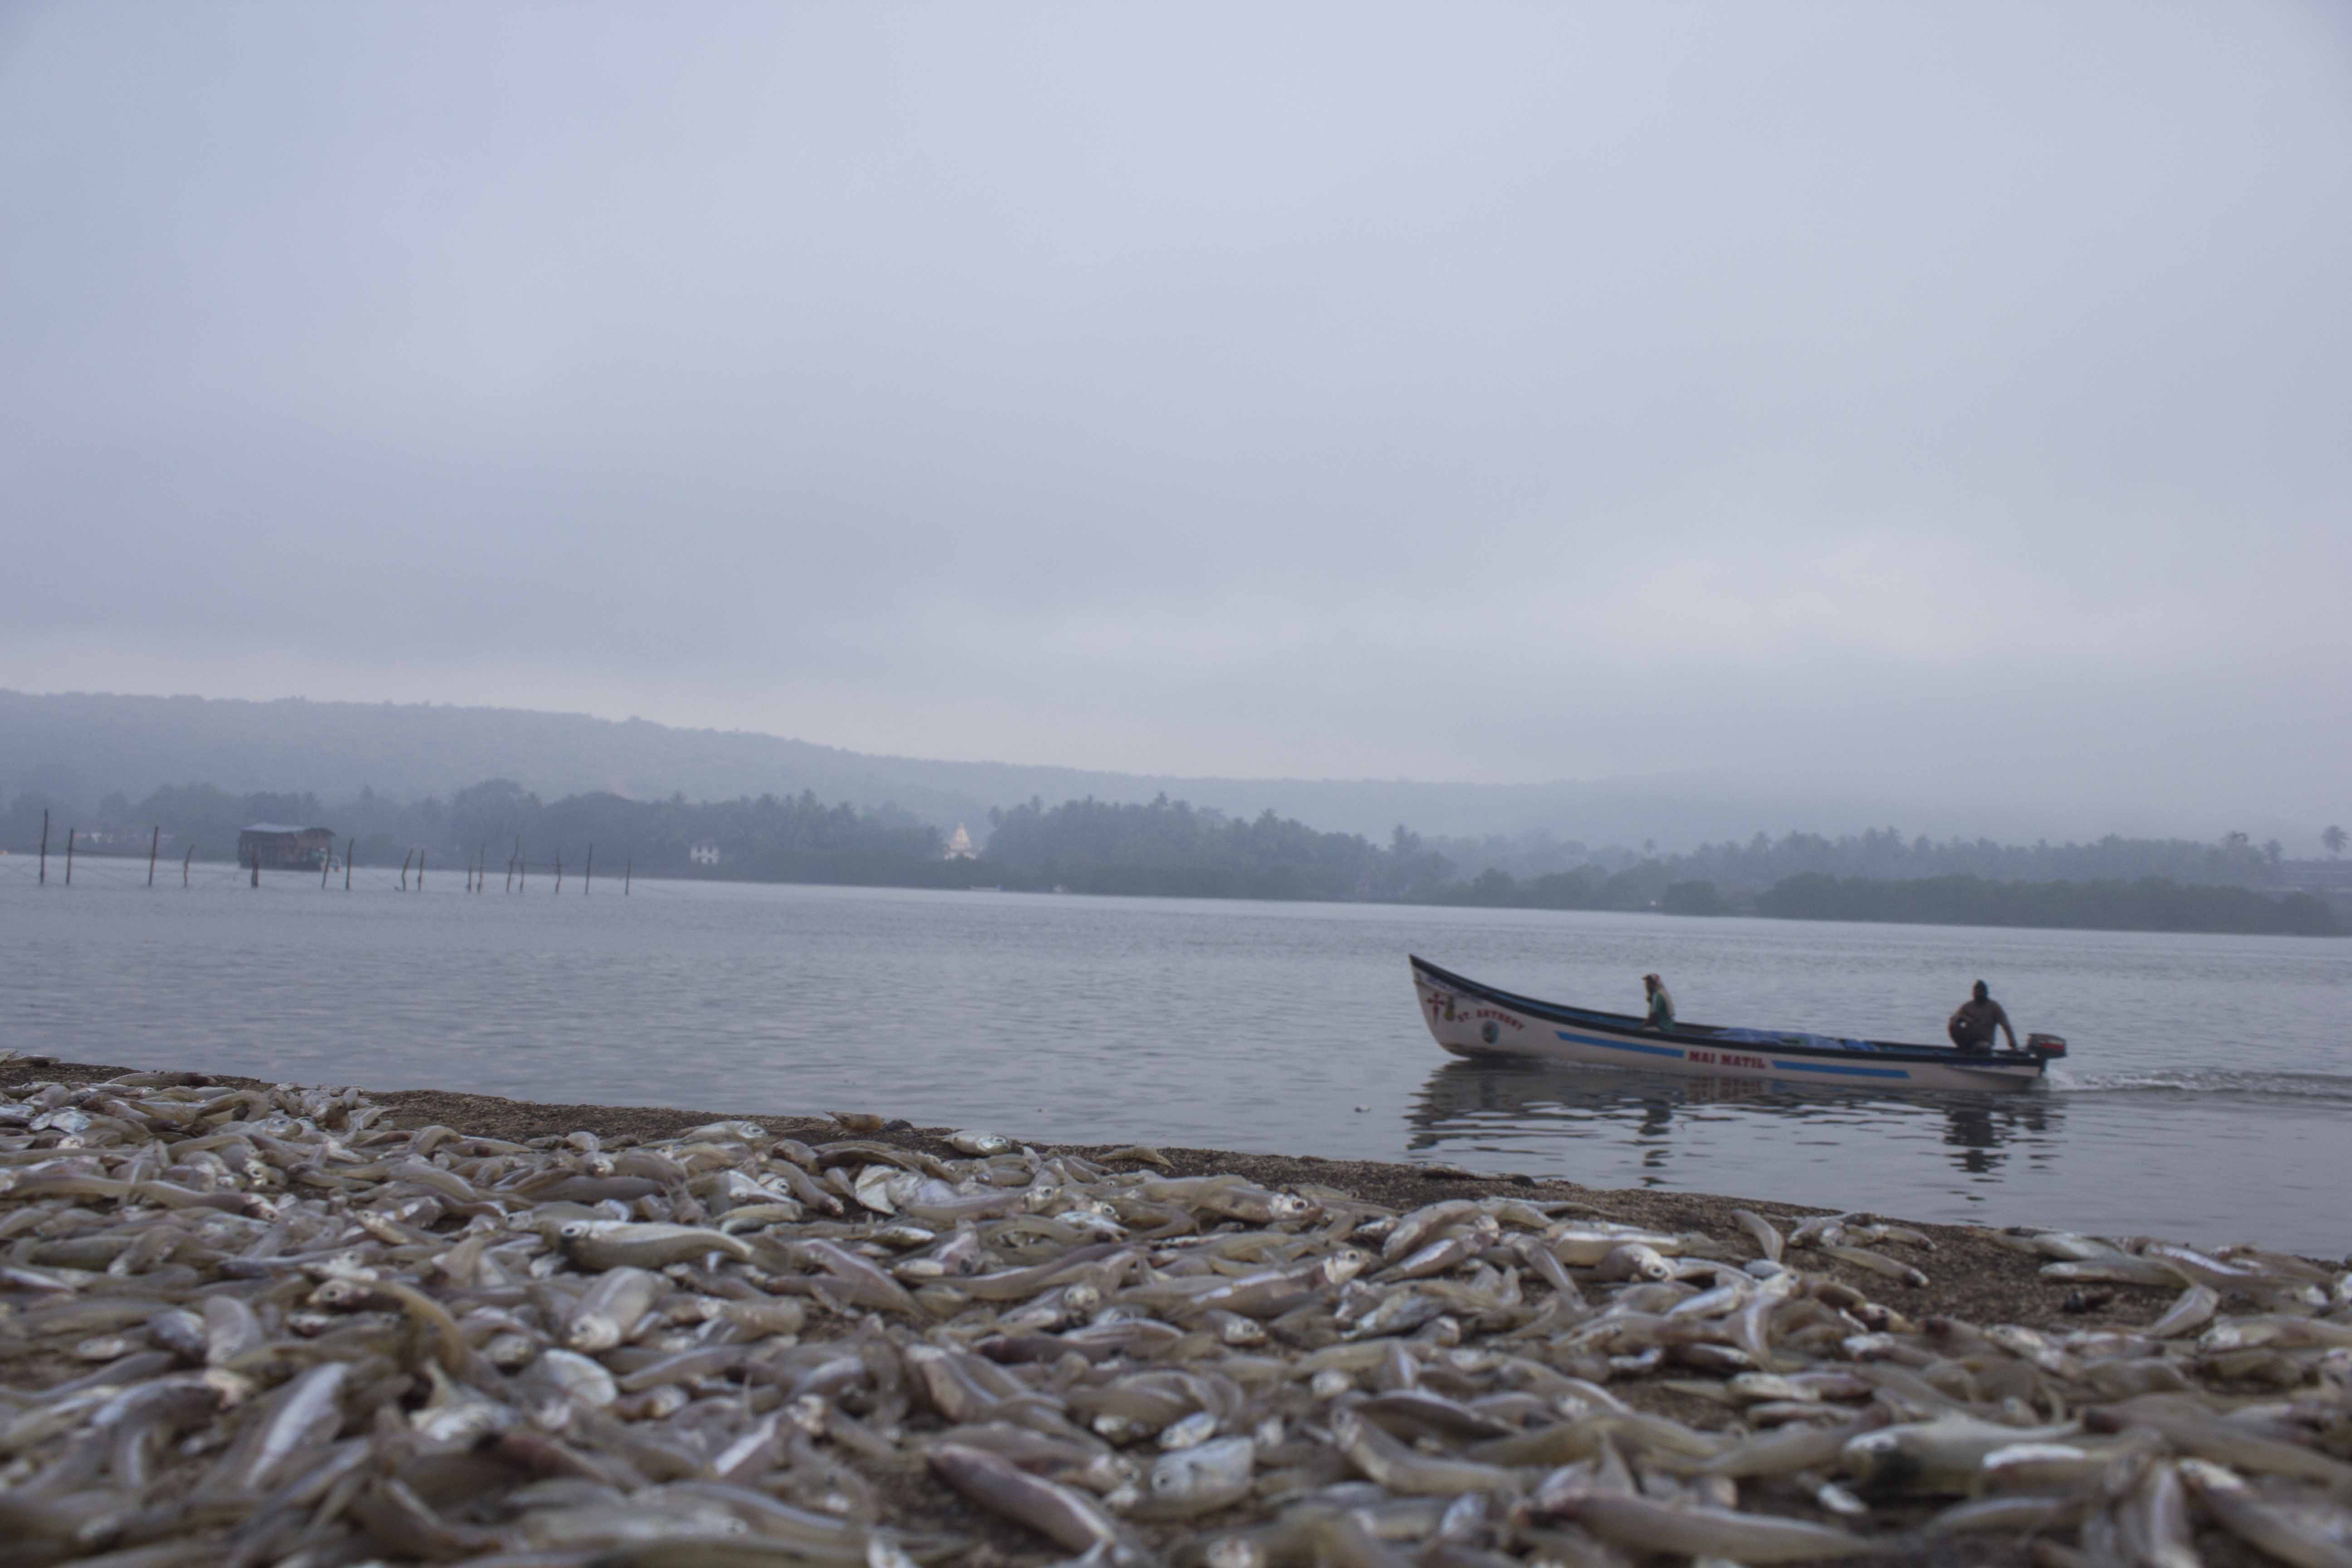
(2204, 1096)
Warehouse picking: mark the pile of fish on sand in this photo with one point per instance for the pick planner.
(269, 1326)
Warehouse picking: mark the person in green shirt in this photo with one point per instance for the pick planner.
(1662, 1005)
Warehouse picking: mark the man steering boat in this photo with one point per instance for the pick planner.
(1975, 1020)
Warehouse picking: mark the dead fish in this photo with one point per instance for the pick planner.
(1187, 1482)
(231, 1330)
(1440, 1256)
(2062, 1246)
(1632, 1260)
(623, 1244)
(1787, 1451)
(1584, 1244)
(2291, 1332)
(1137, 1154)
(1943, 1454)
(1060, 1513)
(858, 1280)
(1759, 1229)
(1156, 1346)
(612, 1308)
(2025, 1515)
(2118, 1269)
(1876, 1262)
(2309, 1534)
(981, 1143)
(298, 1418)
(1640, 1524)
(2205, 1435)
(1381, 1459)
(2193, 1311)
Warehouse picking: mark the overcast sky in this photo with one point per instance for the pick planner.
(1953, 399)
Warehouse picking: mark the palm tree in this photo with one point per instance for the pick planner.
(2332, 840)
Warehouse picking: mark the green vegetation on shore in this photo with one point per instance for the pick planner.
(2152, 903)
(1170, 848)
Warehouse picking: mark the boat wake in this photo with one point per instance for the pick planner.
(2310, 1088)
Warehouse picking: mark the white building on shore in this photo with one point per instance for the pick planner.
(960, 846)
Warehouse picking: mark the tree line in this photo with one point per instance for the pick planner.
(2151, 904)
(1888, 854)
(1171, 848)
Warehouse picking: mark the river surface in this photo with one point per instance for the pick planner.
(2207, 1098)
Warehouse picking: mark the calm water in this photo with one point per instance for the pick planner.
(2207, 1098)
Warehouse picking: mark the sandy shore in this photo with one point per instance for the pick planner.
(1968, 1278)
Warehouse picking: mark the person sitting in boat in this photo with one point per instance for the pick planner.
(1974, 1021)
(1662, 1005)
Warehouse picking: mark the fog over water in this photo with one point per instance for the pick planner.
(1931, 405)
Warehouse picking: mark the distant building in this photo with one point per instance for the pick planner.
(960, 846)
(275, 846)
(704, 854)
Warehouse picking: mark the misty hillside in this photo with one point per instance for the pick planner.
(85, 746)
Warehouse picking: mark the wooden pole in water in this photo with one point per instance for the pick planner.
(154, 842)
(559, 871)
(348, 848)
(45, 847)
(70, 839)
(588, 872)
(404, 860)
(191, 855)
(326, 865)
(627, 864)
(482, 879)
(257, 864)
(522, 867)
(420, 870)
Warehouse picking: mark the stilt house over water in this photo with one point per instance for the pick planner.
(275, 846)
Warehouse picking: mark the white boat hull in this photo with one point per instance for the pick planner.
(1471, 1020)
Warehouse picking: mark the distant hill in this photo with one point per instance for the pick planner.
(83, 746)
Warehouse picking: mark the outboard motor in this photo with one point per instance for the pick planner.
(2046, 1046)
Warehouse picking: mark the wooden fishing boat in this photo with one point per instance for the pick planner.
(1471, 1020)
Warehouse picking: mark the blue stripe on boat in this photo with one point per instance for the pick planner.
(1619, 1045)
(1849, 1072)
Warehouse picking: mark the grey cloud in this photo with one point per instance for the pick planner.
(1493, 391)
